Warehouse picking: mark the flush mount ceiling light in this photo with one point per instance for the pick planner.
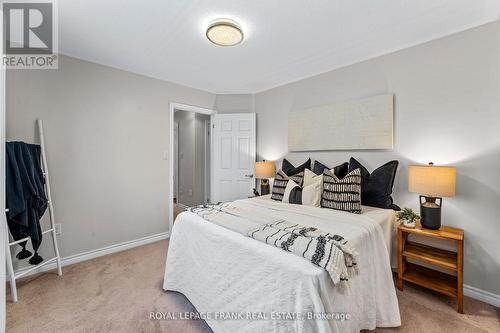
(224, 32)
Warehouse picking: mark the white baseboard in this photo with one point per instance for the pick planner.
(482, 295)
(76, 258)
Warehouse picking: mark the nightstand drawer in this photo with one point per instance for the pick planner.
(431, 255)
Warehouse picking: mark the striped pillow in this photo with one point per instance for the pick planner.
(279, 185)
(342, 194)
(298, 178)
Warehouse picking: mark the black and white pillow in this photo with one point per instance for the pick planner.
(291, 187)
(298, 178)
(279, 185)
(309, 195)
(295, 196)
(342, 194)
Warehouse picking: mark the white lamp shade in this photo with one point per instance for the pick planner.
(265, 169)
(433, 181)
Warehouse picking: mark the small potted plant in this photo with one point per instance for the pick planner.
(408, 217)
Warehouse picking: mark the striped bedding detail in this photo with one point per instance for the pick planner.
(331, 252)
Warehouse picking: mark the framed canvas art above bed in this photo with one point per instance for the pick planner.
(355, 125)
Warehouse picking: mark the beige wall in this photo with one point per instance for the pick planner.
(447, 100)
(106, 133)
(234, 103)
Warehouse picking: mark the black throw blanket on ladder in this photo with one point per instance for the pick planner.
(26, 197)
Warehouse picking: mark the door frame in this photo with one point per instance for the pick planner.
(176, 164)
(173, 106)
(208, 160)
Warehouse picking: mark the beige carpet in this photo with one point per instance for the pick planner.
(117, 292)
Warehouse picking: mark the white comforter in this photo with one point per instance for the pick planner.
(223, 272)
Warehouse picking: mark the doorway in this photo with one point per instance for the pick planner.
(189, 157)
(225, 166)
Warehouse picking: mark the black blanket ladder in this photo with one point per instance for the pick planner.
(56, 260)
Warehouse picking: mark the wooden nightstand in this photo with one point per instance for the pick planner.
(452, 261)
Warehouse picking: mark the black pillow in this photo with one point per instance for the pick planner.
(376, 188)
(290, 170)
(340, 170)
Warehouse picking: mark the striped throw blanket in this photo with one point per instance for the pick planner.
(331, 252)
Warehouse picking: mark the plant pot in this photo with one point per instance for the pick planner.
(409, 223)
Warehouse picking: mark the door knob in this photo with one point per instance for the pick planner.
(249, 176)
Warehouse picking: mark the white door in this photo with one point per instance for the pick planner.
(233, 156)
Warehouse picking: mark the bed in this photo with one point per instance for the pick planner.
(223, 273)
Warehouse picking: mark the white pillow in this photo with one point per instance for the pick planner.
(311, 194)
(312, 188)
(289, 187)
(311, 178)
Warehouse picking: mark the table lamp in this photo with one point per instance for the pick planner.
(263, 171)
(433, 183)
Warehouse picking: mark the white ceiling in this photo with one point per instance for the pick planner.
(285, 40)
